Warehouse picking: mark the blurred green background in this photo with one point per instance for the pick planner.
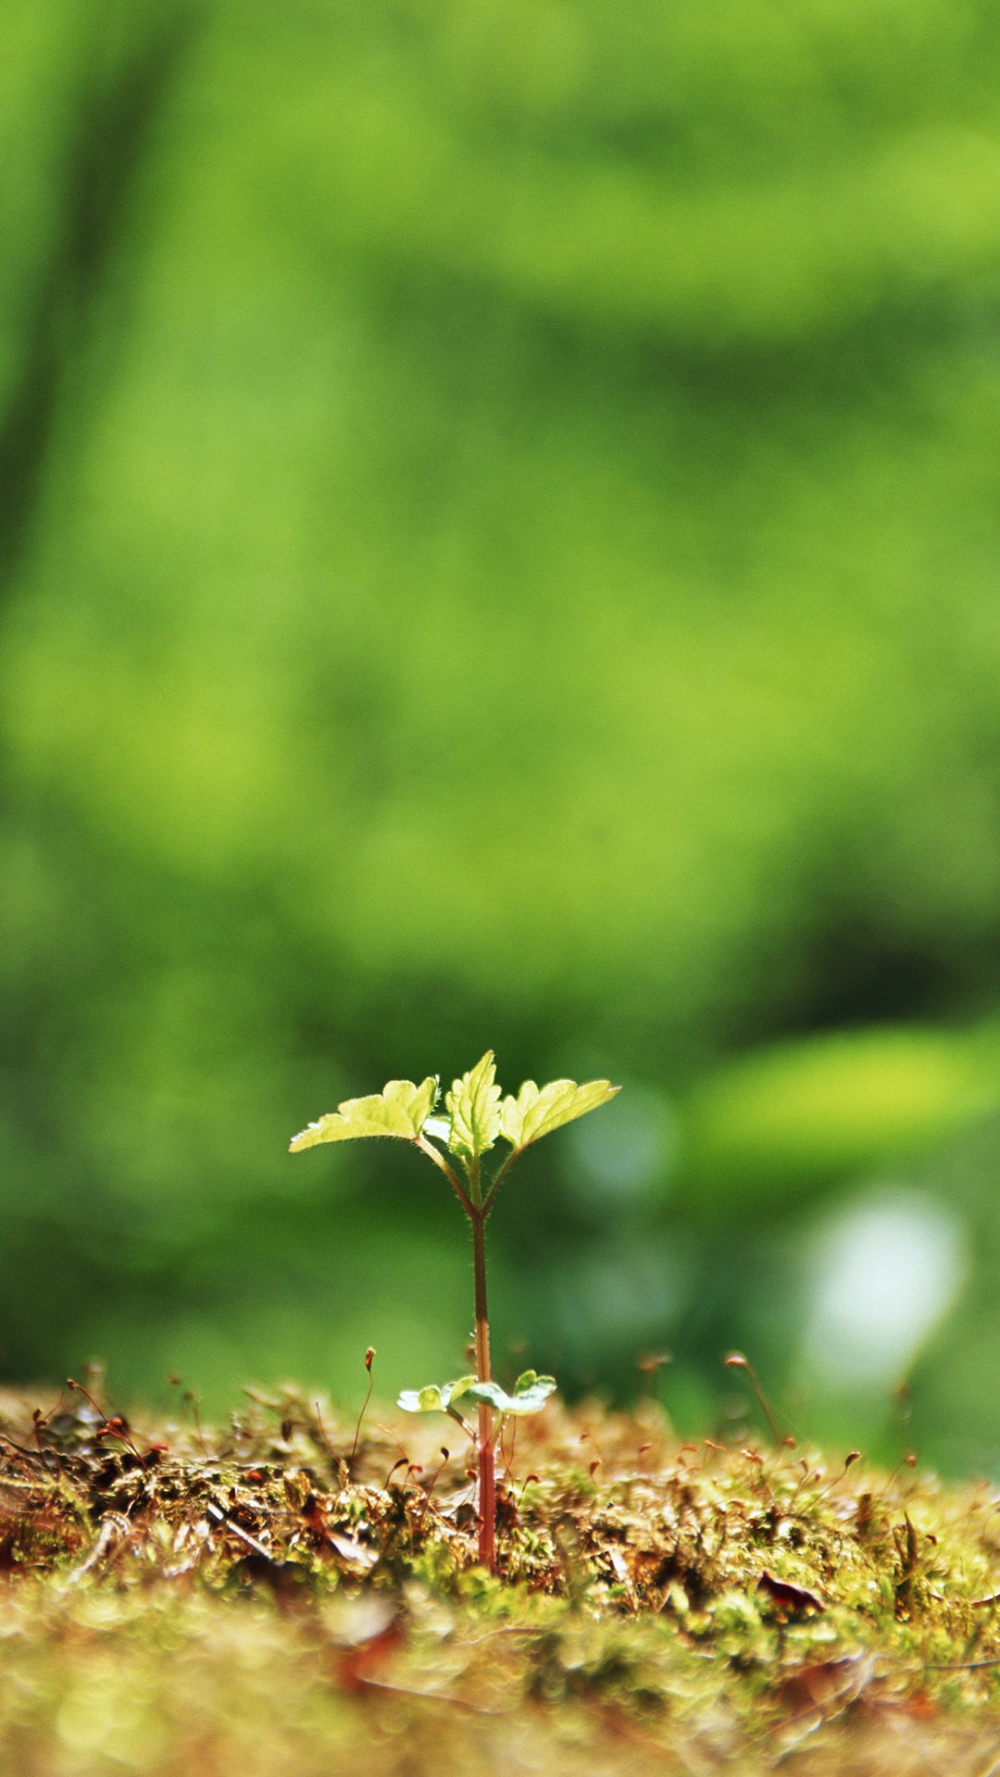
(500, 545)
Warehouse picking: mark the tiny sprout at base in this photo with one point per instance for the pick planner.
(531, 1392)
(477, 1115)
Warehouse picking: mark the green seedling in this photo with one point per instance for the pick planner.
(477, 1116)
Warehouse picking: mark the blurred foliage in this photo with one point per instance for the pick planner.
(499, 537)
(786, 1119)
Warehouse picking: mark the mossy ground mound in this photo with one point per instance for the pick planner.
(274, 1598)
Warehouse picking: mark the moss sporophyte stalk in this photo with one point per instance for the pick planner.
(477, 1116)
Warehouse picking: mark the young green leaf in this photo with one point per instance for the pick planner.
(422, 1400)
(530, 1379)
(400, 1109)
(474, 1107)
(530, 1393)
(536, 1112)
(433, 1399)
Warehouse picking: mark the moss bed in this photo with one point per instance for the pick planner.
(181, 1602)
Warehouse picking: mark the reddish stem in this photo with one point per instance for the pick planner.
(484, 1443)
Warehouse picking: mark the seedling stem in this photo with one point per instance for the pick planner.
(487, 1481)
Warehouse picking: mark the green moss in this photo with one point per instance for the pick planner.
(260, 1600)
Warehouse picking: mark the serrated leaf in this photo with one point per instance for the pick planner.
(433, 1399)
(474, 1106)
(400, 1109)
(538, 1111)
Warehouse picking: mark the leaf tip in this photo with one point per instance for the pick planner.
(306, 1138)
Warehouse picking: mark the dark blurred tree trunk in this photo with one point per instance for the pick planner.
(122, 87)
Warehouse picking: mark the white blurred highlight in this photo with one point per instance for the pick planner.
(886, 1272)
(621, 1155)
